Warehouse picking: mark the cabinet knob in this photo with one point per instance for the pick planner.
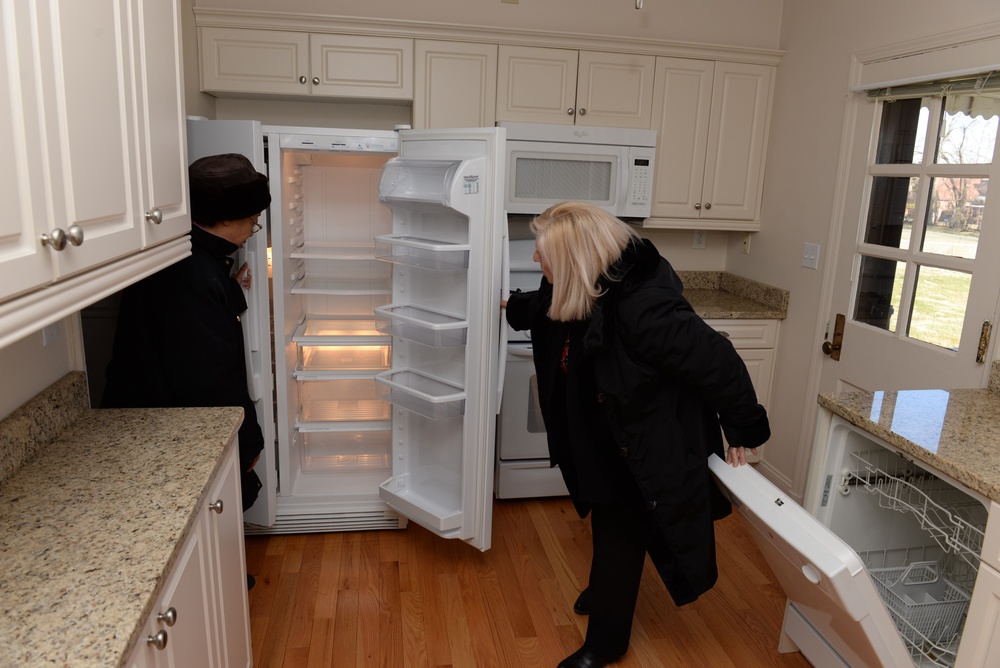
(302, 79)
(583, 112)
(315, 81)
(154, 216)
(708, 206)
(56, 239)
(169, 617)
(159, 641)
(570, 111)
(74, 235)
(697, 206)
(217, 506)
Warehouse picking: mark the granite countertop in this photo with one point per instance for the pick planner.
(89, 525)
(718, 295)
(952, 431)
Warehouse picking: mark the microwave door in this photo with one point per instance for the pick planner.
(541, 174)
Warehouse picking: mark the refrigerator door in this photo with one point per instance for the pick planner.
(445, 191)
(832, 600)
(246, 137)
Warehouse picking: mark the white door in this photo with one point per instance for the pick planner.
(246, 137)
(445, 191)
(916, 277)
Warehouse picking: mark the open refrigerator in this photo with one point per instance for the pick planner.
(386, 262)
(880, 569)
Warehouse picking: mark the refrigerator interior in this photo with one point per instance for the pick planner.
(918, 535)
(445, 253)
(333, 426)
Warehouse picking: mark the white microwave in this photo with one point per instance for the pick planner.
(609, 167)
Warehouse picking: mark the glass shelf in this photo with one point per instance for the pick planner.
(421, 324)
(422, 253)
(331, 331)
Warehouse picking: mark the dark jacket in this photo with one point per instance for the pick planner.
(179, 342)
(663, 381)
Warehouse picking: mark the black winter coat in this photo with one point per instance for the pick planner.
(663, 382)
(179, 342)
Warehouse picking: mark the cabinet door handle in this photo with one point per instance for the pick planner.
(708, 206)
(154, 216)
(217, 506)
(159, 641)
(570, 111)
(56, 239)
(169, 617)
(302, 79)
(315, 81)
(583, 112)
(697, 206)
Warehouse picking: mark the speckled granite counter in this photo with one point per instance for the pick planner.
(953, 431)
(89, 524)
(717, 295)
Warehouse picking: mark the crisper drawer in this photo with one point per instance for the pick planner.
(350, 400)
(353, 450)
(747, 333)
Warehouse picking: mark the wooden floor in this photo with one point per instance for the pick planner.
(408, 598)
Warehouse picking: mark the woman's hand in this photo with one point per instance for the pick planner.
(737, 456)
(243, 277)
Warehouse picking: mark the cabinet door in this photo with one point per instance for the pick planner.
(536, 85)
(24, 262)
(615, 90)
(741, 102)
(87, 84)
(160, 105)
(235, 60)
(682, 102)
(362, 67)
(188, 590)
(455, 85)
(224, 527)
(980, 645)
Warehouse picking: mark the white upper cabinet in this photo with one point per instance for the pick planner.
(285, 63)
(455, 84)
(565, 86)
(711, 120)
(92, 129)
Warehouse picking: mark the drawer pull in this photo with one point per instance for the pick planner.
(217, 506)
(159, 641)
(169, 617)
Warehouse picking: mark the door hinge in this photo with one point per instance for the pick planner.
(984, 342)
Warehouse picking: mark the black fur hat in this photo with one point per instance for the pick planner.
(226, 187)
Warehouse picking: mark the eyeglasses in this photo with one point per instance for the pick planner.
(257, 227)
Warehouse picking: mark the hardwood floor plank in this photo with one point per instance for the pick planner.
(307, 591)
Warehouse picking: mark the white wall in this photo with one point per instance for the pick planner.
(29, 365)
(802, 165)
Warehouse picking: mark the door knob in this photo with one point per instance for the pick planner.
(833, 346)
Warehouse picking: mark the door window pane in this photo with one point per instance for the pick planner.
(890, 214)
(954, 216)
(901, 133)
(879, 290)
(968, 129)
(939, 306)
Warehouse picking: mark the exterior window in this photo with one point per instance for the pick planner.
(928, 181)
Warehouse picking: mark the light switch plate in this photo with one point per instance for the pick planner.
(810, 256)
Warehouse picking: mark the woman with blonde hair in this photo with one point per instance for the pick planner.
(633, 387)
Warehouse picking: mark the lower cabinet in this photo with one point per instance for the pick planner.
(201, 616)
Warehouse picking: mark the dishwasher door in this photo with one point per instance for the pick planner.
(835, 616)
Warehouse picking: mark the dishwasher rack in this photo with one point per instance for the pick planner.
(930, 614)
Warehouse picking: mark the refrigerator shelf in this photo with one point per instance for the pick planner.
(422, 324)
(422, 253)
(339, 361)
(316, 330)
(334, 251)
(349, 400)
(432, 397)
(428, 495)
(338, 285)
(307, 427)
(353, 450)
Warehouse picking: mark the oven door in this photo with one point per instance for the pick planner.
(522, 451)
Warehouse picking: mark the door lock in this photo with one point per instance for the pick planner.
(832, 347)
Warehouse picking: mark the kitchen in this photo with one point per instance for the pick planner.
(816, 45)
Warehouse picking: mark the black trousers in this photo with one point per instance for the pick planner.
(615, 574)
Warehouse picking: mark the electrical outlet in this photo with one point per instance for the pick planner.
(746, 243)
(810, 256)
(50, 333)
(699, 239)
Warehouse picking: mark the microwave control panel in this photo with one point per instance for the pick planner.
(640, 181)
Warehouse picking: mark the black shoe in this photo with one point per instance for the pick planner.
(582, 605)
(586, 658)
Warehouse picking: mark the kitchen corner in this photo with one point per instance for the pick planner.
(718, 295)
(94, 508)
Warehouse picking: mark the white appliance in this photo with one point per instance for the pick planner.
(610, 167)
(386, 275)
(880, 572)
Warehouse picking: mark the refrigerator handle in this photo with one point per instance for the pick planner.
(504, 292)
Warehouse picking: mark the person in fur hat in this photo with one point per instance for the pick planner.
(179, 341)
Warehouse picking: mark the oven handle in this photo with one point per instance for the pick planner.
(524, 352)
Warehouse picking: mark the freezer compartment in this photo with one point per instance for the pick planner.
(430, 396)
(422, 252)
(352, 400)
(424, 325)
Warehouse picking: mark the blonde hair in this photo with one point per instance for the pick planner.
(579, 242)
